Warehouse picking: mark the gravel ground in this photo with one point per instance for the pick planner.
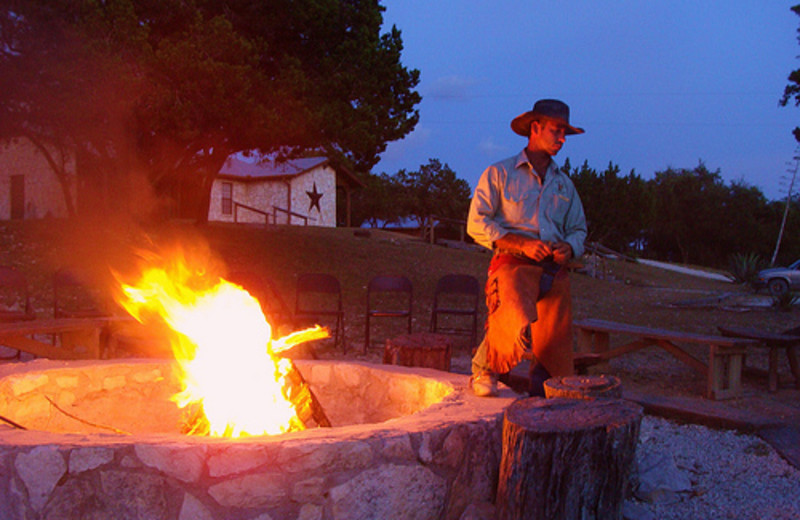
(733, 475)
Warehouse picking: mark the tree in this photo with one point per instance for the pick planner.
(688, 216)
(618, 209)
(377, 204)
(196, 80)
(792, 90)
(433, 191)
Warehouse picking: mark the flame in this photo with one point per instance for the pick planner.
(228, 361)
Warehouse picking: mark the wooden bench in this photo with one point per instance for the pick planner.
(774, 342)
(726, 354)
(80, 338)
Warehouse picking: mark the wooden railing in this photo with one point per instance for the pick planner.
(267, 215)
(430, 227)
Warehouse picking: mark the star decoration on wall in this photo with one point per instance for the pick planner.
(314, 196)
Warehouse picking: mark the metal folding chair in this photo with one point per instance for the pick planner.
(456, 295)
(388, 297)
(318, 295)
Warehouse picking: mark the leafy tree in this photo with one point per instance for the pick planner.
(192, 81)
(433, 191)
(377, 204)
(689, 220)
(618, 209)
(792, 90)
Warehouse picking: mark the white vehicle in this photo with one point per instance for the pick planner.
(778, 280)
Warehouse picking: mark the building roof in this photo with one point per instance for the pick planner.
(268, 169)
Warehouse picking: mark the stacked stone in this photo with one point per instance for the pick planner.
(433, 464)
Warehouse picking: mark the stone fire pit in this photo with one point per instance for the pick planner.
(406, 443)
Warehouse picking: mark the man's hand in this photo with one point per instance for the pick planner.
(562, 253)
(537, 250)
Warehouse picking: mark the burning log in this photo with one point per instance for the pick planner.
(306, 403)
(309, 410)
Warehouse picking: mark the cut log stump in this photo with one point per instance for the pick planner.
(566, 458)
(421, 349)
(583, 387)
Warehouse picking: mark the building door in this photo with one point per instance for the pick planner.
(17, 197)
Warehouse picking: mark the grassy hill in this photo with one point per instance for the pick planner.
(626, 292)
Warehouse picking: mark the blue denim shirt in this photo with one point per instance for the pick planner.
(510, 197)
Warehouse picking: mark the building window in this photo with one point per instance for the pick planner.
(227, 198)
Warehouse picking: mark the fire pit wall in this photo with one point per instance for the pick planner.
(407, 443)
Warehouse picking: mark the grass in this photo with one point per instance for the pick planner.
(627, 292)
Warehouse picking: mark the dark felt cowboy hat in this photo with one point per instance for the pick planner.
(544, 108)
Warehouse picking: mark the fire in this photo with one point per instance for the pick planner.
(228, 361)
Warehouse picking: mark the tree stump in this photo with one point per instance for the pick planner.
(422, 349)
(566, 458)
(583, 387)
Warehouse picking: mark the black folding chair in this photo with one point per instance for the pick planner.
(388, 297)
(319, 295)
(456, 295)
(15, 301)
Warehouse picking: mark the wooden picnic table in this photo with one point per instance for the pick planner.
(774, 342)
(726, 354)
(78, 338)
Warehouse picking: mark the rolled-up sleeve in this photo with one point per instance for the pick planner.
(481, 224)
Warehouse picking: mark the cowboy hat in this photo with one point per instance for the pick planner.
(544, 108)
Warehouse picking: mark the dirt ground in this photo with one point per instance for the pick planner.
(648, 296)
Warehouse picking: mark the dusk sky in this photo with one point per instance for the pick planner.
(656, 83)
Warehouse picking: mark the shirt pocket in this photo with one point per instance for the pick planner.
(516, 204)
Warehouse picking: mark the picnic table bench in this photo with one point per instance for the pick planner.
(774, 342)
(726, 354)
(80, 338)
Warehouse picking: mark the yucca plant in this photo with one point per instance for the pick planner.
(745, 267)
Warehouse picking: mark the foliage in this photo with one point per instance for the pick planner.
(745, 267)
(689, 216)
(376, 204)
(785, 301)
(792, 90)
(618, 209)
(172, 88)
(432, 191)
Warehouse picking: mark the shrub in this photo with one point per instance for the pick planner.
(745, 267)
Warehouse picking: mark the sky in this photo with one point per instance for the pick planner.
(656, 84)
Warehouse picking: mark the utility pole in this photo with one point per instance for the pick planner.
(786, 209)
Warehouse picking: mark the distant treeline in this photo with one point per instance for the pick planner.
(688, 216)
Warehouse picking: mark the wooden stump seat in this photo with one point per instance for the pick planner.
(420, 349)
(566, 458)
(583, 387)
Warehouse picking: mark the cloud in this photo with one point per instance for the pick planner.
(450, 87)
(491, 148)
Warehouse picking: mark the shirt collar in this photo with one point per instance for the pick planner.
(522, 158)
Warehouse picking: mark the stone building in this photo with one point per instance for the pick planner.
(28, 186)
(300, 192)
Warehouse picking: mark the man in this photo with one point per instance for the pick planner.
(530, 215)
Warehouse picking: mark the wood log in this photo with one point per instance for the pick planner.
(583, 387)
(566, 458)
(421, 349)
(307, 405)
